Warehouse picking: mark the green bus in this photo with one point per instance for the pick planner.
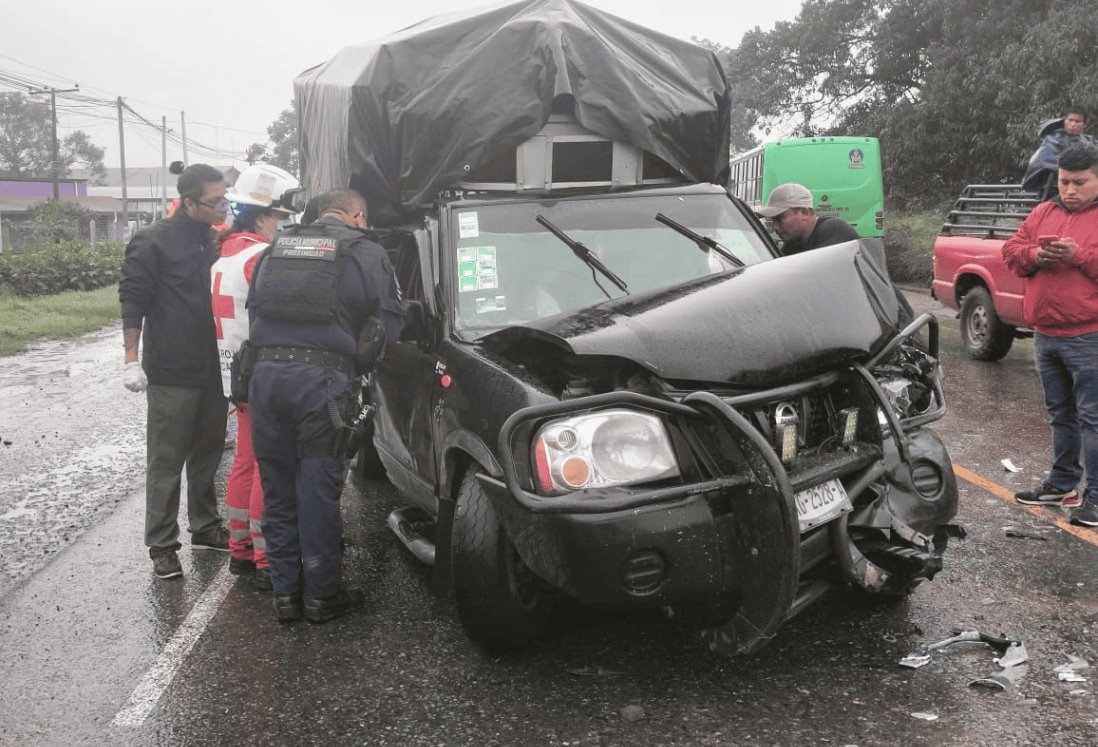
(842, 173)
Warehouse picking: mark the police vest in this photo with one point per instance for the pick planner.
(298, 280)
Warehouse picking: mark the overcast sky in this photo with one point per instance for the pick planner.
(230, 66)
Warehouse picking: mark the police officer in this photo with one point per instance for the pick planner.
(321, 296)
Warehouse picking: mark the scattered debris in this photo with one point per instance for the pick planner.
(1014, 656)
(921, 656)
(1018, 533)
(595, 671)
(1070, 672)
(1009, 466)
(1004, 680)
(925, 716)
(1079, 692)
(632, 712)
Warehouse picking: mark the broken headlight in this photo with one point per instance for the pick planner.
(602, 449)
(907, 379)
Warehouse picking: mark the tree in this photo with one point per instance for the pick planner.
(282, 148)
(25, 147)
(954, 89)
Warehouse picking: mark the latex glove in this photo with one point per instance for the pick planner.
(133, 377)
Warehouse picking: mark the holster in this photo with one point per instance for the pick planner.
(240, 371)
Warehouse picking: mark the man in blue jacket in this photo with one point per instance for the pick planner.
(165, 296)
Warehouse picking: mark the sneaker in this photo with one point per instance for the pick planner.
(327, 608)
(1046, 495)
(1086, 515)
(241, 566)
(262, 580)
(287, 607)
(166, 565)
(215, 539)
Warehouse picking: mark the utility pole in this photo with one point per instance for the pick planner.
(122, 162)
(53, 143)
(164, 166)
(183, 124)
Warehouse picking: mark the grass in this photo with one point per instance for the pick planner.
(909, 245)
(61, 316)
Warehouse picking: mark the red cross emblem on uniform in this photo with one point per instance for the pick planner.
(223, 307)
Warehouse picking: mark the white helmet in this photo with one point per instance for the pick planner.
(265, 186)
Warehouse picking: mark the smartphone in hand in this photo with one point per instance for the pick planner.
(1047, 239)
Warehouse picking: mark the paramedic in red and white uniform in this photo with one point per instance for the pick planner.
(257, 210)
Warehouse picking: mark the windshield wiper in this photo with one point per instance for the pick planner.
(586, 255)
(704, 242)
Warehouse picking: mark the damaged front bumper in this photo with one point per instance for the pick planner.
(726, 545)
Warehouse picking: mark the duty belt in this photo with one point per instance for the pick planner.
(325, 358)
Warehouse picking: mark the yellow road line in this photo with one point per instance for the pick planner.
(997, 490)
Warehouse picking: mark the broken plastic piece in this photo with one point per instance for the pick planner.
(921, 656)
(1004, 680)
(925, 716)
(1014, 656)
(1070, 677)
(1009, 466)
(1016, 532)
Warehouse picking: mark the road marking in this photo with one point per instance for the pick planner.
(148, 691)
(997, 490)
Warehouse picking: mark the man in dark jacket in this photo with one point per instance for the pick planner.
(323, 302)
(165, 292)
(789, 208)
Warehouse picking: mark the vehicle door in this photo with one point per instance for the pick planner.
(405, 381)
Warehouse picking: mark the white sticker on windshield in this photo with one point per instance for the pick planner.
(468, 225)
(491, 303)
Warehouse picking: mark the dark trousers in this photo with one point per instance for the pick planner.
(1068, 367)
(292, 435)
(185, 431)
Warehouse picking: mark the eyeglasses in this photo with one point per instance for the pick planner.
(221, 204)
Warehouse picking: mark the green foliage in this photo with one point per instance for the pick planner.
(26, 141)
(909, 246)
(60, 266)
(281, 150)
(61, 316)
(954, 89)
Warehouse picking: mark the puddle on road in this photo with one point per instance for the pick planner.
(72, 446)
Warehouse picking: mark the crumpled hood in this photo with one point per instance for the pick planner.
(770, 324)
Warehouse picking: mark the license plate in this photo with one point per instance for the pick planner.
(821, 503)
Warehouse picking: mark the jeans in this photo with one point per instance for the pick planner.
(1068, 367)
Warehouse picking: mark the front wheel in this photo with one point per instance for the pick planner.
(983, 334)
(501, 603)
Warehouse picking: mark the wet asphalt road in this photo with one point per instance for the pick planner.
(94, 650)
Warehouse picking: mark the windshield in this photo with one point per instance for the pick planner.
(511, 269)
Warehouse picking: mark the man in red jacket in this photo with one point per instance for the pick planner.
(1056, 251)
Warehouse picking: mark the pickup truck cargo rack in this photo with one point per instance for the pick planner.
(989, 210)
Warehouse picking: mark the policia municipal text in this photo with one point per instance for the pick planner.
(323, 300)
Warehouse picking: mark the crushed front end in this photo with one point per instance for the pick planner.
(735, 509)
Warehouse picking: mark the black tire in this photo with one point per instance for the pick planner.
(983, 334)
(368, 464)
(501, 603)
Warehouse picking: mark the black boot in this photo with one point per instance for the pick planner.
(326, 608)
(288, 607)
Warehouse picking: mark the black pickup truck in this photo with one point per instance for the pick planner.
(611, 386)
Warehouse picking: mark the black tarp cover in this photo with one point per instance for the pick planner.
(407, 115)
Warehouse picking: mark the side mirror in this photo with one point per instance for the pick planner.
(293, 199)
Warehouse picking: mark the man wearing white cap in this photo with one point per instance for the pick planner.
(794, 219)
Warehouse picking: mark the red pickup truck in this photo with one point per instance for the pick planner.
(969, 273)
